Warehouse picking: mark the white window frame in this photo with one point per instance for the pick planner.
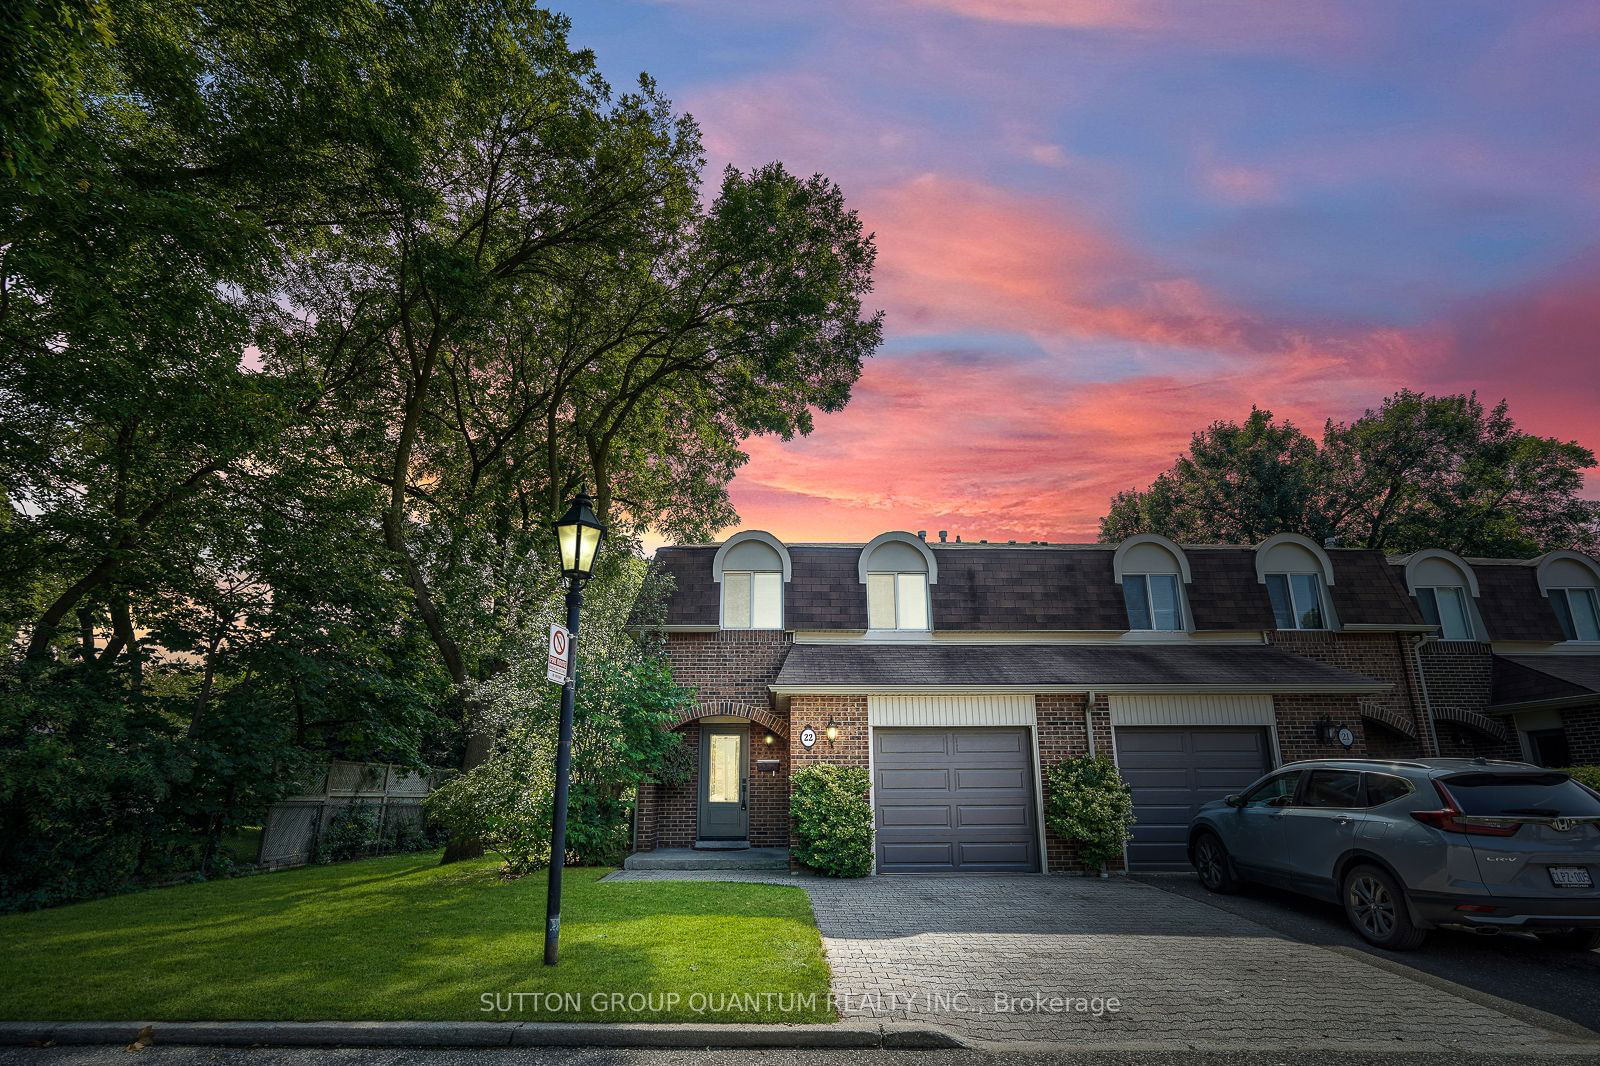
(729, 578)
(1594, 598)
(1183, 608)
(1295, 608)
(927, 602)
(1466, 609)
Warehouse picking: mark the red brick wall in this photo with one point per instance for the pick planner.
(849, 713)
(730, 665)
(730, 669)
(1382, 656)
(1583, 734)
(1297, 718)
(1458, 673)
(1062, 735)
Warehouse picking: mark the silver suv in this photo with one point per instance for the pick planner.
(1409, 846)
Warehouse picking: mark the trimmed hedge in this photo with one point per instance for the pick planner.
(1091, 806)
(1588, 775)
(833, 819)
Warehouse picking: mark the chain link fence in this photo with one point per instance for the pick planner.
(293, 827)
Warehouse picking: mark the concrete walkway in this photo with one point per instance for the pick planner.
(1032, 960)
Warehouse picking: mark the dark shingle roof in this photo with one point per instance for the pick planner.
(1512, 605)
(1055, 587)
(1224, 592)
(1367, 591)
(1530, 678)
(1027, 588)
(937, 665)
(695, 598)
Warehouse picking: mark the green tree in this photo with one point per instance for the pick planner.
(1419, 471)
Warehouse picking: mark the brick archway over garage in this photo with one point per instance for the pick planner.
(715, 708)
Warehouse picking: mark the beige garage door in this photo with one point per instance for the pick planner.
(954, 800)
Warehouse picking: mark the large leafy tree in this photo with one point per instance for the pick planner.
(1419, 471)
(554, 307)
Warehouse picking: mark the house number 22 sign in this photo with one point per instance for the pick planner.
(808, 737)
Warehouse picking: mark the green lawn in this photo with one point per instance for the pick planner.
(405, 938)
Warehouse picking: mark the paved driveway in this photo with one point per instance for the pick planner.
(957, 951)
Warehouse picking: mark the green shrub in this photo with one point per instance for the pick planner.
(1091, 806)
(833, 819)
(351, 833)
(1588, 775)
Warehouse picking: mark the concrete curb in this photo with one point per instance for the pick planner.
(847, 1034)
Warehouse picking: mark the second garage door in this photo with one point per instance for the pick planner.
(1172, 772)
(952, 800)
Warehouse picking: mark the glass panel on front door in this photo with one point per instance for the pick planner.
(723, 774)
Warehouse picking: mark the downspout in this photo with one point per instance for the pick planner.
(1088, 721)
(1427, 701)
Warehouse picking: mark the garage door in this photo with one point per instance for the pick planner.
(1172, 772)
(954, 800)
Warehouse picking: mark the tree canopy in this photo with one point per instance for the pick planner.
(1418, 472)
(311, 320)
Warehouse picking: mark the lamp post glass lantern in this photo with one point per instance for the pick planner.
(579, 535)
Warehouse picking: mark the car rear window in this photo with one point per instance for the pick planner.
(1333, 788)
(1381, 788)
(1549, 795)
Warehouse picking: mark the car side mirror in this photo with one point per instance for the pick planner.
(1233, 800)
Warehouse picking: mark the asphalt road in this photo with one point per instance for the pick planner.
(187, 1056)
(1510, 968)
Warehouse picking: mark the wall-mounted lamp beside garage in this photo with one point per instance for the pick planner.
(769, 740)
(832, 731)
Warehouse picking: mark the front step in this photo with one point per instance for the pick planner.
(722, 845)
(721, 859)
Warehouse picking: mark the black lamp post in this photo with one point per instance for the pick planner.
(579, 534)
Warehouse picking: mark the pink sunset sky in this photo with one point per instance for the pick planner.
(1103, 224)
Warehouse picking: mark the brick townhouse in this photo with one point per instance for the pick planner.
(954, 672)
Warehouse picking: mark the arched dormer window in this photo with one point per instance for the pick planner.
(1445, 588)
(1571, 582)
(1152, 571)
(897, 569)
(752, 568)
(1297, 573)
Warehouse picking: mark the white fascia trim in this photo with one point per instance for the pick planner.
(1552, 702)
(1357, 688)
(1042, 636)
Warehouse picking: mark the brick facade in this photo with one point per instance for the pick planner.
(1583, 734)
(1062, 734)
(1384, 656)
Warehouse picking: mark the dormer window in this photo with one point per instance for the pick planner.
(752, 599)
(1153, 602)
(1296, 600)
(1445, 587)
(1578, 611)
(752, 568)
(1445, 606)
(1571, 582)
(1152, 571)
(897, 601)
(897, 569)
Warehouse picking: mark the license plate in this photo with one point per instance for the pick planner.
(1571, 877)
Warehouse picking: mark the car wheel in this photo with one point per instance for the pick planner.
(1211, 862)
(1573, 939)
(1376, 907)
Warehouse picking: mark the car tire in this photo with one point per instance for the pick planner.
(1375, 905)
(1211, 861)
(1573, 939)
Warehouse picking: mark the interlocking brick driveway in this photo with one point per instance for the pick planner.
(1185, 972)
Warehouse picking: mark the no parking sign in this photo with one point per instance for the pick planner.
(560, 655)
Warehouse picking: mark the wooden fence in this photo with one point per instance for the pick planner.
(293, 827)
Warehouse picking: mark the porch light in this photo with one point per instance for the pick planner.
(832, 731)
(579, 533)
(769, 740)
